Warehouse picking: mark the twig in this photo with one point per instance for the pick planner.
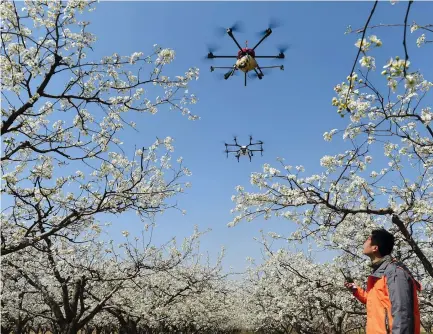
(359, 51)
(406, 56)
(424, 27)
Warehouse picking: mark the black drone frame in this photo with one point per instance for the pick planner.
(247, 149)
(232, 70)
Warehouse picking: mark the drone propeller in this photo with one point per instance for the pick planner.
(211, 48)
(283, 47)
(235, 140)
(273, 23)
(236, 27)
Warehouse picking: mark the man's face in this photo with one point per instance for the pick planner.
(370, 249)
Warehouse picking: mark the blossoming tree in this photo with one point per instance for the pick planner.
(289, 293)
(354, 193)
(62, 114)
(68, 287)
(383, 178)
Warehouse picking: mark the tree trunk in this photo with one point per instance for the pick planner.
(67, 328)
(128, 327)
(6, 329)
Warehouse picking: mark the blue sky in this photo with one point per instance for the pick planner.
(289, 110)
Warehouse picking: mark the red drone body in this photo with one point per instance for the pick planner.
(246, 51)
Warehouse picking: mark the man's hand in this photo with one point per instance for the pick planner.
(351, 286)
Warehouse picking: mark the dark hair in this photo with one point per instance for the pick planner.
(384, 240)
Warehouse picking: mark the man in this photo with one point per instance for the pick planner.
(391, 296)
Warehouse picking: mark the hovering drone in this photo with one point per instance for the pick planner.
(244, 149)
(246, 57)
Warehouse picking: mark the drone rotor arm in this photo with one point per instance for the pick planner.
(213, 56)
(278, 66)
(268, 33)
(252, 144)
(262, 39)
(230, 33)
(226, 75)
(276, 57)
(223, 67)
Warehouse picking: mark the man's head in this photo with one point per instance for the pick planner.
(379, 244)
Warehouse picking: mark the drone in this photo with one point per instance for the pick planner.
(246, 58)
(244, 149)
